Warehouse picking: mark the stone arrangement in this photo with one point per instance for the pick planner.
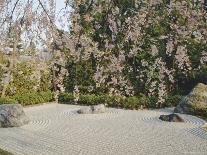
(12, 115)
(57, 129)
(171, 118)
(96, 109)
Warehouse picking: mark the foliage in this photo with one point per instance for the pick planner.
(133, 102)
(21, 81)
(45, 81)
(155, 48)
(172, 101)
(2, 152)
(200, 110)
(7, 100)
(3, 63)
(80, 73)
(29, 77)
(34, 98)
(66, 98)
(124, 49)
(91, 99)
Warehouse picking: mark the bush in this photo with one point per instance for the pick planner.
(7, 100)
(34, 98)
(131, 103)
(115, 101)
(89, 99)
(84, 99)
(152, 102)
(200, 110)
(2, 152)
(134, 102)
(66, 98)
(172, 100)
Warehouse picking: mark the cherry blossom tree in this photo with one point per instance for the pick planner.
(26, 21)
(139, 46)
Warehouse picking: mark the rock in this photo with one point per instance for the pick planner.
(171, 118)
(196, 98)
(96, 109)
(204, 127)
(85, 110)
(99, 109)
(12, 115)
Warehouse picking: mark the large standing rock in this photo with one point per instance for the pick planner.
(12, 115)
(96, 109)
(196, 98)
(171, 118)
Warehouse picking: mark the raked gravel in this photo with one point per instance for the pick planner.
(57, 129)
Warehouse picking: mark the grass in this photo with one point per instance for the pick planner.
(2, 152)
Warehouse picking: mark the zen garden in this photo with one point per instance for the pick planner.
(103, 77)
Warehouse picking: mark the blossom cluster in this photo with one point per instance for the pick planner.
(139, 48)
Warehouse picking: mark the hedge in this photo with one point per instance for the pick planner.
(29, 98)
(34, 98)
(134, 102)
(172, 100)
(7, 100)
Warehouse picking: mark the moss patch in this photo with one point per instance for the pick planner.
(205, 126)
(2, 152)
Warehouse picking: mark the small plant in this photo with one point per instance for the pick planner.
(7, 100)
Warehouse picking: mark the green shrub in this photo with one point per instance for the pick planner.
(131, 103)
(89, 99)
(84, 99)
(152, 102)
(144, 101)
(172, 100)
(7, 100)
(2, 152)
(66, 98)
(22, 81)
(200, 110)
(34, 98)
(115, 101)
(111, 101)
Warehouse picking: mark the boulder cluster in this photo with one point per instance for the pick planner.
(96, 109)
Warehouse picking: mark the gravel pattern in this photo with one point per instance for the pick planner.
(57, 129)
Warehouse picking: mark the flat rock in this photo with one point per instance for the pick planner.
(96, 109)
(99, 109)
(12, 115)
(196, 98)
(85, 110)
(171, 118)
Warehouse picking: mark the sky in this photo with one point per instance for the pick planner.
(59, 5)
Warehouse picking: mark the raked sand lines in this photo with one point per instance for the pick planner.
(57, 129)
